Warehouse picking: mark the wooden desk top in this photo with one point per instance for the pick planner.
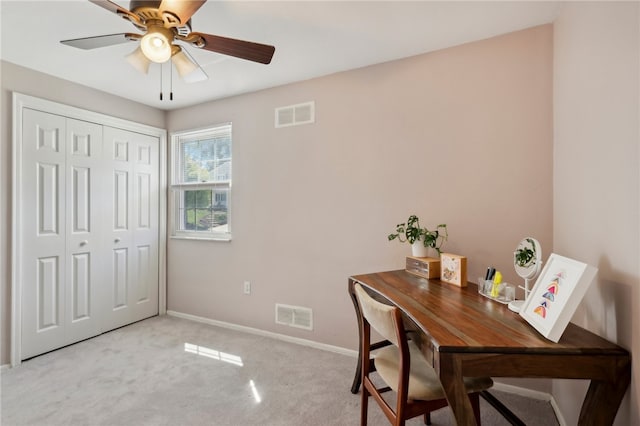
(461, 320)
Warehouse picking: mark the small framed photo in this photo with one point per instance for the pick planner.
(556, 295)
(453, 269)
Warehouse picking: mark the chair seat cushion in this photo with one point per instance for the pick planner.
(424, 383)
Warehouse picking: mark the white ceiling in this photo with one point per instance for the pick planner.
(311, 39)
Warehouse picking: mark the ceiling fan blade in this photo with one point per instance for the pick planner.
(113, 7)
(183, 9)
(100, 41)
(248, 50)
(196, 76)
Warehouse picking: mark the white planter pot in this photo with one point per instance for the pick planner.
(419, 250)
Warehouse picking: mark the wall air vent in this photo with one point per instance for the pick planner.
(294, 316)
(295, 115)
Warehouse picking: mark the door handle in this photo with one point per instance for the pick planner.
(117, 240)
(84, 243)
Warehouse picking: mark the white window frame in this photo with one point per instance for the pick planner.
(177, 187)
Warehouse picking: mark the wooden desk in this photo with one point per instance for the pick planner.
(466, 334)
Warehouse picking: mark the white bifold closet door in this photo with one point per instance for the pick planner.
(131, 216)
(89, 230)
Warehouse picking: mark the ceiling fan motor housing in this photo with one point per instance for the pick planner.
(148, 11)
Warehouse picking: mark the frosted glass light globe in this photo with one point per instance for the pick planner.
(156, 45)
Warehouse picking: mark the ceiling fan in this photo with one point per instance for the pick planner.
(164, 22)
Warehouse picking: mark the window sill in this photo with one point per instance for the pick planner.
(221, 238)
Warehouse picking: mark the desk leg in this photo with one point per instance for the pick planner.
(603, 398)
(450, 369)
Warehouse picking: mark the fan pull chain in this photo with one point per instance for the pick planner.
(160, 81)
(170, 82)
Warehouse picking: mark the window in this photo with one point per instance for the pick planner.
(201, 183)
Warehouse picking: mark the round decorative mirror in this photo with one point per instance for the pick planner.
(527, 260)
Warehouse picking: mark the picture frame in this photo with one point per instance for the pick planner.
(556, 295)
(453, 269)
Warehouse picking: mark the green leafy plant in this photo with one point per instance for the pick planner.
(525, 255)
(411, 231)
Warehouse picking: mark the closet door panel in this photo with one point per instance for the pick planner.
(85, 245)
(145, 229)
(43, 232)
(82, 306)
(120, 279)
(133, 159)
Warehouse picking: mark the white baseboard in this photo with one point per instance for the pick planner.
(517, 390)
(556, 409)
(278, 336)
(529, 393)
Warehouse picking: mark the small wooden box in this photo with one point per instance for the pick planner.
(453, 269)
(425, 267)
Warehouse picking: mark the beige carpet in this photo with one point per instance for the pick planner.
(170, 371)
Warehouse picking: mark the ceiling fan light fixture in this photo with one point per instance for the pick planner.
(156, 44)
(184, 65)
(139, 61)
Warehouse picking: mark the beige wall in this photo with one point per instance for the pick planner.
(596, 181)
(23, 80)
(461, 136)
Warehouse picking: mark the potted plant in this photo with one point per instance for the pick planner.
(420, 238)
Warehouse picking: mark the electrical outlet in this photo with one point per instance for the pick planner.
(247, 287)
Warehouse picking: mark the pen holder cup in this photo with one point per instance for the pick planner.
(484, 286)
(502, 292)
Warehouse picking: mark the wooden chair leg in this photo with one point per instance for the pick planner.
(474, 398)
(427, 418)
(364, 405)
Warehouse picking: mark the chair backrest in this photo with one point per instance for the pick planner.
(424, 397)
(383, 318)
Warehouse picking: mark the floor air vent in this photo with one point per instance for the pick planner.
(294, 316)
(295, 115)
